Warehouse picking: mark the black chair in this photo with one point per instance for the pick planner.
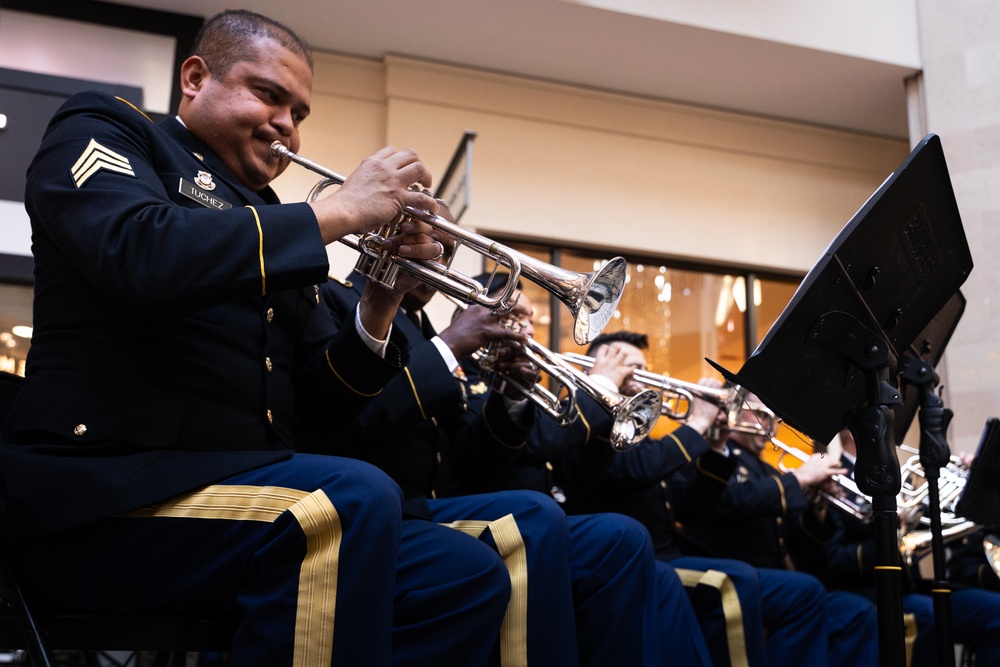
(168, 635)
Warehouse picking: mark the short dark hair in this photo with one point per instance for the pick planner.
(638, 340)
(229, 37)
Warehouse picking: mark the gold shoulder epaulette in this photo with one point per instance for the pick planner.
(123, 100)
(346, 283)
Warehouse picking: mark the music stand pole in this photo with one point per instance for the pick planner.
(934, 454)
(877, 475)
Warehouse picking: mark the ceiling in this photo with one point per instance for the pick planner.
(608, 50)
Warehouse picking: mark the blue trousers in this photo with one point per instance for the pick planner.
(852, 629)
(785, 607)
(975, 622)
(311, 552)
(682, 641)
(593, 593)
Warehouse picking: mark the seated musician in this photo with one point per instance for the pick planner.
(769, 519)
(585, 585)
(150, 459)
(579, 467)
(847, 562)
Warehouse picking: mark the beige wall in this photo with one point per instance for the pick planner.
(961, 49)
(566, 164)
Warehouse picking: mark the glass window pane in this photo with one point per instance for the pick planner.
(772, 297)
(15, 327)
(687, 316)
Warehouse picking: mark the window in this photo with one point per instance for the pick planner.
(689, 312)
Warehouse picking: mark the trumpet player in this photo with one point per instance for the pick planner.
(647, 482)
(670, 633)
(174, 342)
(580, 585)
(846, 561)
(769, 518)
(578, 466)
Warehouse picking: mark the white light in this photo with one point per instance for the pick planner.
(740, 293)
(22, 330)
(3, 121)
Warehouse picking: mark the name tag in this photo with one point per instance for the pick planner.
(192, 191)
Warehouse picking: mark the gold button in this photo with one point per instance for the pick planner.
(778, 520)
(667, 504)
(663, 483)
(548, 466)
(80, 429)
(270, 417)
(268, 365)
(270, 315)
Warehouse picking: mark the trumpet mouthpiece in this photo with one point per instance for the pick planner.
(278, 150)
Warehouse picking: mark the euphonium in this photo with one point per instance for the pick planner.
(913, 504)
(590, 297)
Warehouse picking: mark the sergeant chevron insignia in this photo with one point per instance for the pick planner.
(97, 157)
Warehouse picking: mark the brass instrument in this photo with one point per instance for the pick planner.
(913, 505)
(678, 399)
(861, 509)
(559, 404)
(634, 416)
(991, 545)
(590, 297)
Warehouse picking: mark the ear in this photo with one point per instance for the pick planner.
(194, 73)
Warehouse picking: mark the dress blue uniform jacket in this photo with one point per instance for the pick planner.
(577, 465)
(137, 383)
(531, 463)
(412, 428)
(760, 517)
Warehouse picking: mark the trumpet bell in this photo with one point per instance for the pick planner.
(598, 299)
(636, 417)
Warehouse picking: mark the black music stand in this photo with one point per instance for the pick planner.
(828, 360)
(980, 499)
(918, 381)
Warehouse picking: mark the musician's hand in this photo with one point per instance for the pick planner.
(374, 194)
(816, 470)
(609, 361)
(512, 364)
(476, 327)
(703, 413)
(966, 459)
(417, 241)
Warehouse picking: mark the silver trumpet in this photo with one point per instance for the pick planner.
(590, 297)
(559, 404)
(854, 502)
(678, 399)
(634, 416)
